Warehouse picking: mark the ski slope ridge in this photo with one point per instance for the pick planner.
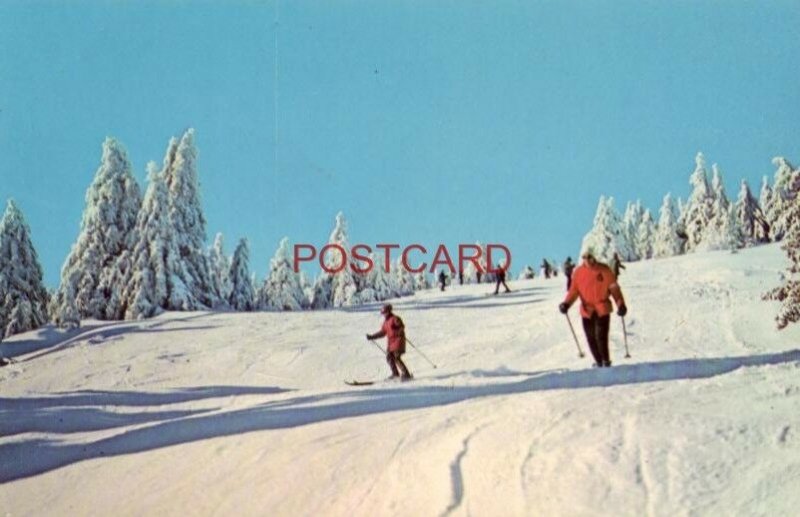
(246, 413)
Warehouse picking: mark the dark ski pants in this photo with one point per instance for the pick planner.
(497, 287)
(596, 329)
(393, 358)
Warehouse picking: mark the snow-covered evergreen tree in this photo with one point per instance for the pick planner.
(23, 296)
(321, 291)
(380, 281)
(147, 289)
(631, 221)
(192, 286)
(789, 293)
(750, 218)
(282, 289)
(242, 297)
(607, 236)
(645, 236)
(699, 209)
(220, 265)
(765, 198)
(64, 312)
(343, 287)
(403, 281)
(722, 231)
(307, 286)
(421, 281)
(91, 271)
(666, 242)
(783, 196)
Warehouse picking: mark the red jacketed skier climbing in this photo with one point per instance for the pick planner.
(394, 331)
(595, 283)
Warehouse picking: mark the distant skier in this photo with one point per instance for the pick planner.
(460, 276)
(569, 267)
(394, 331)
(594, 283)
(545, 268)
(616, 264)
(442, 279)
(501, 278)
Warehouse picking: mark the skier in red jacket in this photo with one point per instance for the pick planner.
(394, 331)
(595, 283)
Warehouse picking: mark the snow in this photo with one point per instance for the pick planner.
(247, 414)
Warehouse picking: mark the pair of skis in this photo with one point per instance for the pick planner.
(364, 383)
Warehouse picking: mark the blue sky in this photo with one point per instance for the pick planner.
(446, 121)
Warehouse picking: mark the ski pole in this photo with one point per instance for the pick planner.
(377, 346)
(420, 352)
(580, 350)
(625, 336)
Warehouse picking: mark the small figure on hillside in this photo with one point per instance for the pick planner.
(394, 331)
(478, 274)
(501, 278)
(461, 276)
(594, 283)
(616, 264)
(442, 279)
(569, 266)
(546, 268)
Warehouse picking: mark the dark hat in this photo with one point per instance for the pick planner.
(386, 309)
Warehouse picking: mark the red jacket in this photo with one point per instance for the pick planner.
(594, 284)
(395, 333)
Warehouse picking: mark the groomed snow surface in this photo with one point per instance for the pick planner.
(248, 414)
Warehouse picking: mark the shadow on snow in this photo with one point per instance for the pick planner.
(50, 339)
(35, 456)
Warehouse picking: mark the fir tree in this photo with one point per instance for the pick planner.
(783, 197)
(607, 236)
(631, 222)
(64, 312)
(666, 242)
(147, 289)
(722, 231)
(23, 297)
(220, 267)
(421, 281)
(699, 209)
(308, 290)
(192, 286)
(750, 218)
(321, 291)
(343, 287)
(644, 237)
(242, 297)
(403, 281)
(765, 197)
(91, 271)
(282, 289)
(789, 293)
(380, 281)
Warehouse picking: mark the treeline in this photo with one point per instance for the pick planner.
(136, 256)
(709, 220)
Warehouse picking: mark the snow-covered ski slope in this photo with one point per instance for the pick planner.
(247, 414)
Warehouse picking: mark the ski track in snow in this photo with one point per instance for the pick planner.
(246, 413)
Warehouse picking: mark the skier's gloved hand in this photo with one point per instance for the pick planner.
(622, 310)
(563, 307)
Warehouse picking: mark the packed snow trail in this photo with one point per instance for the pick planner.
(247, 414)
